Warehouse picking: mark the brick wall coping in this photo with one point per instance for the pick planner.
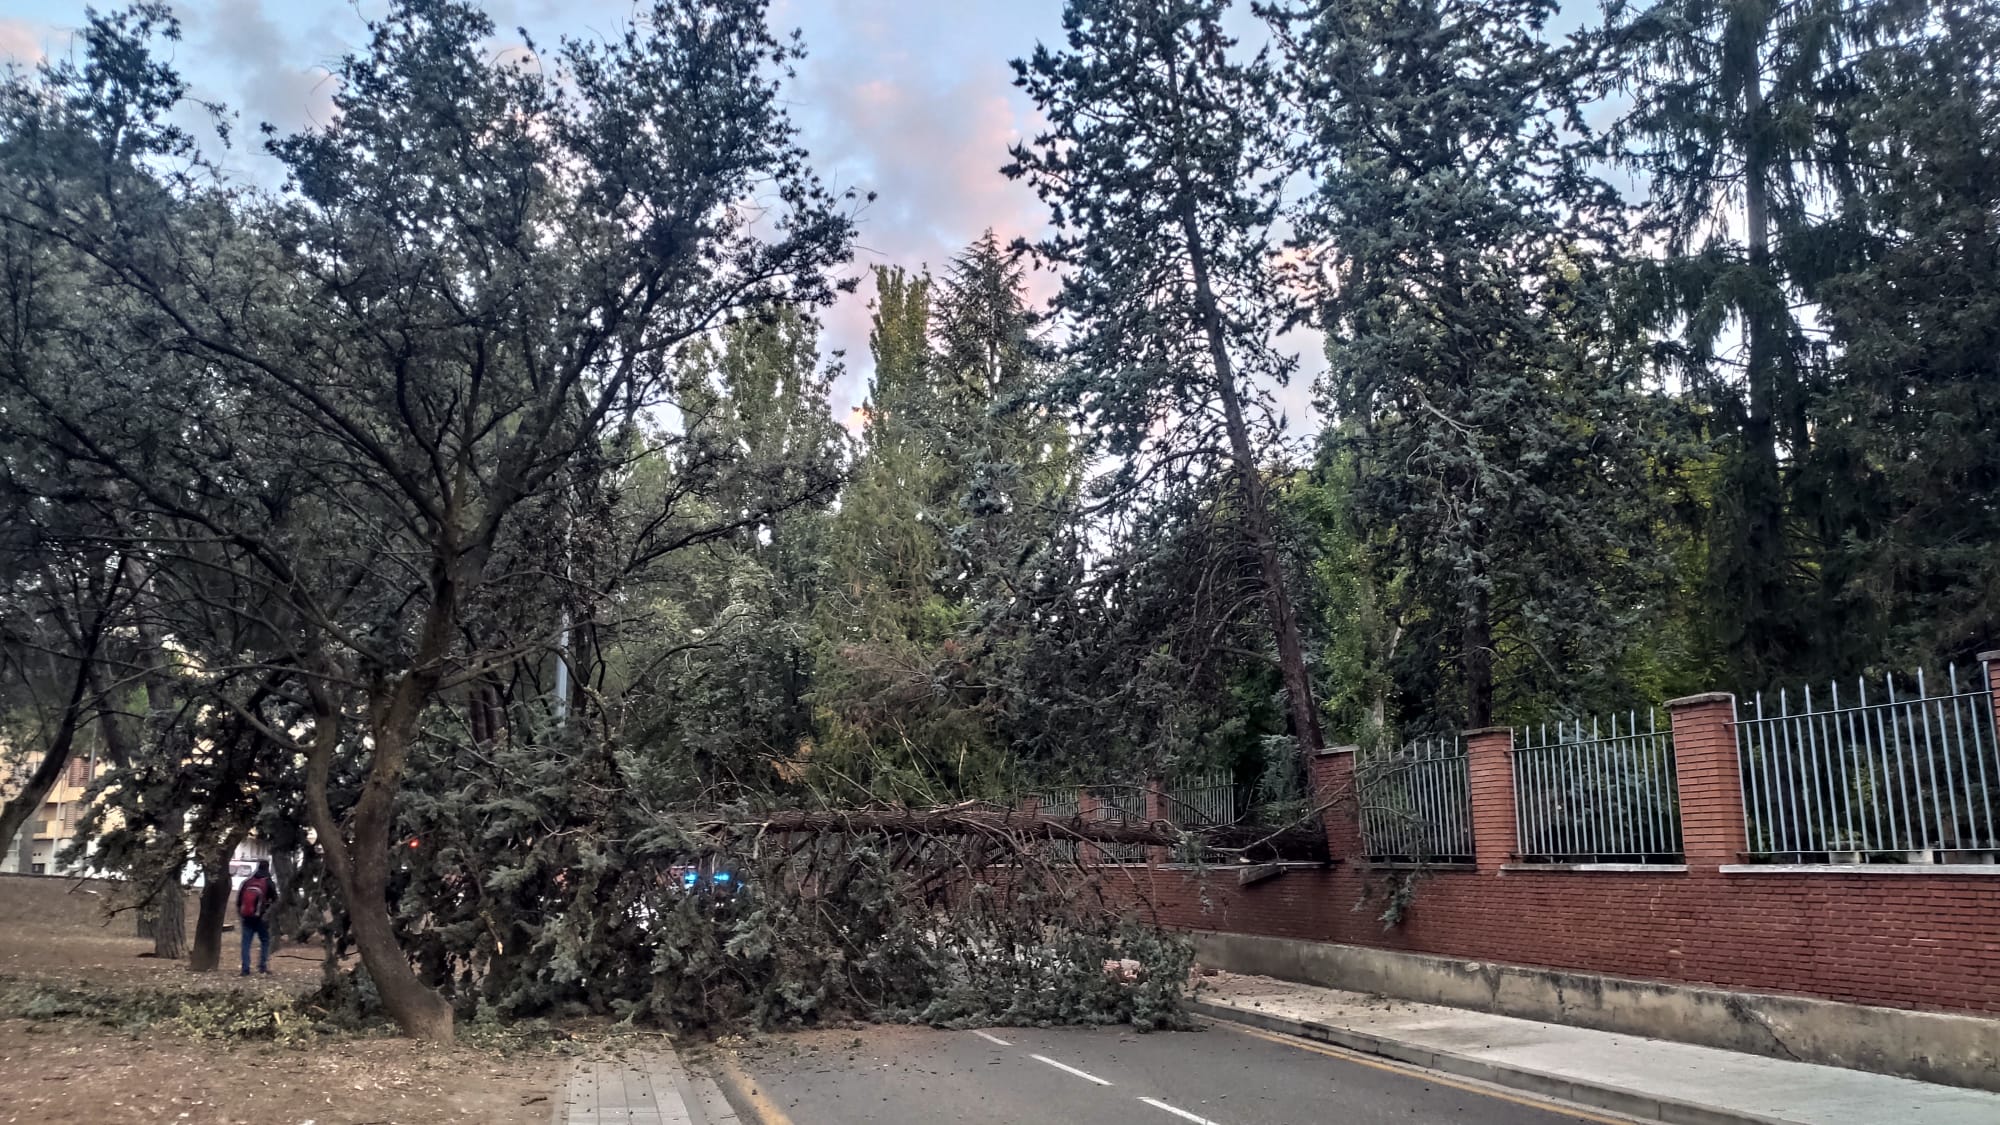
(1987, 869)
(1476, 732)
(1704, 697)
(1330, 751)
(1989, 657)
(1626, 868)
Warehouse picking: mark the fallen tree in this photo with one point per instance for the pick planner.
(1247, 842)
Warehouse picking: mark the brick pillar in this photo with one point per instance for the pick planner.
(1711, 785)
(1156, 814)
(1332, 777)
(1989, 662)
(1489, 767)
(1088, 809)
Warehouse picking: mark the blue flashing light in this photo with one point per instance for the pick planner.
(689, 879)
(722, 876)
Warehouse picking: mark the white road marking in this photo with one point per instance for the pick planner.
(1070, 1069)
(1177, 1111)
(994, 1039)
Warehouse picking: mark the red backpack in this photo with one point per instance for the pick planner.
(250, 904)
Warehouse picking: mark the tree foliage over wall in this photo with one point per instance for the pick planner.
(464, 517)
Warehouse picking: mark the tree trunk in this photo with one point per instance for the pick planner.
(1760, 600)
(1300, 707)
(359, 862)
(1300, 842)
(206, 953)
(170, 920)
(1477, 658)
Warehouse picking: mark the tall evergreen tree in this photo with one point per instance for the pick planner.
(954, 499)
(1162, 175)
(1906, 282)
(1726, 101)
(1481, 399)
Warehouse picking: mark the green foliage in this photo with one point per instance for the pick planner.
(221, 1014)
(1492, 436)
(311, 497)
(961, 485)
(529, 896)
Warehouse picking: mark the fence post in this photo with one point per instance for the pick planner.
(1710, 778)
(1332, 783)
(1156, 813)
(1489, 770)
(1088, 809)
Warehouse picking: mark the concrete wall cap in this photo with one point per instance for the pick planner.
(1704, 697)
(1330, 751)
(1992, 657)
(1477, 731)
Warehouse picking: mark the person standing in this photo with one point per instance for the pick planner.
(253, 906)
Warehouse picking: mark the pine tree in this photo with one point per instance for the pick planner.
(1483, 401)
(1162, 176)
(957, 493)
(1725, 104)
(1907, 285)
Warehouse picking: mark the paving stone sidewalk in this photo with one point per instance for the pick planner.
(650, 1088)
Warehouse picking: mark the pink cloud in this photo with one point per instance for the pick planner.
(22, 42)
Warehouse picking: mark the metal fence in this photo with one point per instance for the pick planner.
(1882, 774)
(1062, 802)
(1416, 804)
(1203, 802)
(1601, 794)
(1126, 803)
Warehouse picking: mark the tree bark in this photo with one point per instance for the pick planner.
(213, 910)
(1477, 658)
(1761, 598)
(360, 865)
(170, 920)
(1300, 707)
(1300, 842)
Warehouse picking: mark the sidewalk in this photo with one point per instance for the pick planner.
(652, 1088)
(1651, 1079)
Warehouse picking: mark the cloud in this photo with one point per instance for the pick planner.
(23, 43)
(932, 155)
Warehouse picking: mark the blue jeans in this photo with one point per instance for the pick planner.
(261, 930)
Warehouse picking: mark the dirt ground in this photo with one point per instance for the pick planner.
(59, 929)
(54, 1073)
(70, 1072)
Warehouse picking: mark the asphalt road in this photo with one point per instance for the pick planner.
(1020, 1076)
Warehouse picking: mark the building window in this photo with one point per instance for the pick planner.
(69, 815)
(79, 772)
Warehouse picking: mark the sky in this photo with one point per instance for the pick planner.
(910, 99)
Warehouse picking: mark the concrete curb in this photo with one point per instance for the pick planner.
(740, 1093)
(1598, 1095)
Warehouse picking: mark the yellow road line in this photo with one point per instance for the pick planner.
(1431, 1076)
(745, 1093)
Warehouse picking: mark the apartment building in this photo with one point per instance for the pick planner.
(52, 827)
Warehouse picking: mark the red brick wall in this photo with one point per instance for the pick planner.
(1913, 940)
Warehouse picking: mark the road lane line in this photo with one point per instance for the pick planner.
(1071, 1069)
(1177, 1111)
(994, 1039)
(1433, 1077)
